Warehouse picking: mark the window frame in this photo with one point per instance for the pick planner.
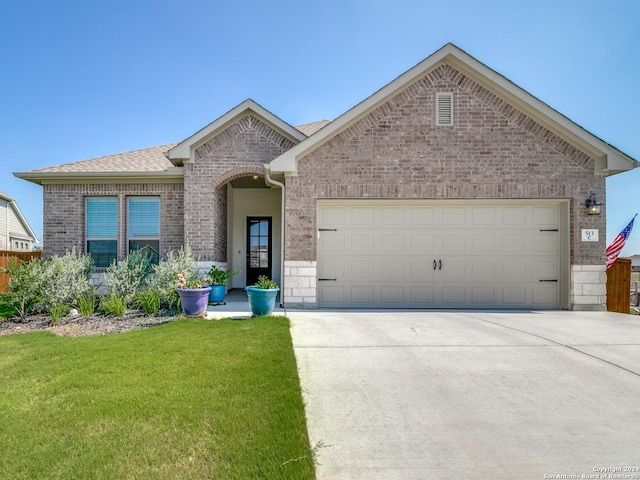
(114, 254)
(148, 237)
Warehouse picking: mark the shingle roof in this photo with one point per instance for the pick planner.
(310, 128)
(143, 160)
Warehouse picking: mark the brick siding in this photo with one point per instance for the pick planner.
(64, 221)
(240, 150)
(493, 151)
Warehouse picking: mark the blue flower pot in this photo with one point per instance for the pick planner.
(262, 301)
(217, 293)
(194, 301)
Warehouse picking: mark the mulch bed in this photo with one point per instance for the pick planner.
(78, 326)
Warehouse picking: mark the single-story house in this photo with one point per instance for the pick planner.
(448, 187)
(15, 232)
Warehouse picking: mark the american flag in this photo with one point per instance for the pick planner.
(617, 245)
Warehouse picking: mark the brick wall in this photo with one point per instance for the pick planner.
(64, 222)
(492, 151)
(240, 150)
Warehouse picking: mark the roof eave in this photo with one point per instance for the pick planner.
(173, 175)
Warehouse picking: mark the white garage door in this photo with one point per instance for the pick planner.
(439, 254)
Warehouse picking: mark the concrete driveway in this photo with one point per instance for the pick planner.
(429, 395)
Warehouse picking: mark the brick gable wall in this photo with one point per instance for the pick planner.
(240, 150)
(396, 151)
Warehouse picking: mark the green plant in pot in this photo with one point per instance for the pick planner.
(218, 278)
(262, 296)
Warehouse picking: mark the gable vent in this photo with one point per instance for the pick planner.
(444, 109)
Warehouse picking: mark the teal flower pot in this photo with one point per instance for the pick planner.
(217, 293)
(262, 301)
(194, 301)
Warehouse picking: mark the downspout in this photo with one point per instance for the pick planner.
(271, 182)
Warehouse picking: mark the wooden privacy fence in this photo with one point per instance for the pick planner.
(4, 263)
(619, 285)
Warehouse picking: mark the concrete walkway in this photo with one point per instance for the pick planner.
(482, 395)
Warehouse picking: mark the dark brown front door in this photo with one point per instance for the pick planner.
(258, 248)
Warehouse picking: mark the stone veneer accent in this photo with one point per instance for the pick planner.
(299, 286)
(588, 287)
(493, 151)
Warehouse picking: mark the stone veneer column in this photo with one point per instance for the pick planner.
(588, 287)
(300, 284)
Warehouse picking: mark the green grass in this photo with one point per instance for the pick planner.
(190, 399)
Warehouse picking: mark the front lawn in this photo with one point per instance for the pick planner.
(189, 399)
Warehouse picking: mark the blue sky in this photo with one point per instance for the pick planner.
(84, 79)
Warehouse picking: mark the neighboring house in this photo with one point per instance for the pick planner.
(15, 232)
(449, 187)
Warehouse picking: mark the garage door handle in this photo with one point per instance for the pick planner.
(440, 264)
(554, 280)
(327, 279)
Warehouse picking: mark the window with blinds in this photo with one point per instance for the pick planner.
(143, 226)
(101, 216)
(444, 109)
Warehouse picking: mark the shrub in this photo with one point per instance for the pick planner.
(87, 303)
(130, 276)
(165, 280)
(58, 311)
(27, 285)
(67, 278)
(149, 301)
(113, 305)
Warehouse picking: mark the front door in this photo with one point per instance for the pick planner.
(258, 248)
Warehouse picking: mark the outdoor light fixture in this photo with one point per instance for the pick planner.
(255, 177)
(593, 205)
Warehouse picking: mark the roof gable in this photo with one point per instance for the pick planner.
(184, 152)
(609, 160)
(13, 207)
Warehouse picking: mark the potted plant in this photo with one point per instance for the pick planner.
(262, 296)
(219, 278)
(194, 295)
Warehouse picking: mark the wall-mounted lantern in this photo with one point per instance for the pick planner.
(594, 207)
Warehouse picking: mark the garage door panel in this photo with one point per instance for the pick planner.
(453, 269)
(421, 269)
(362, 215)
(484, 296)
(483, 270)
(332, 242)
(331, 268)
(421, 242)
(514, 296)
(453, 215)
(489, 255)
(361, 268)
(453, 242)
(362, 294)
(483, 242)
(421, 295)
(422, 216)
(514, 269)
(392, 295)
(514, 216)
(392, 242)
(483, 216)
(393, 216)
